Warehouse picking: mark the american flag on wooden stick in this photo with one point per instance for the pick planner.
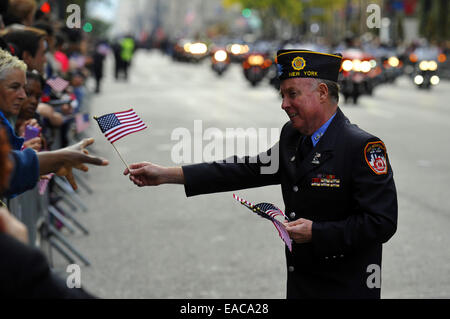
(269, 211)
(58, 84)
(120, 124)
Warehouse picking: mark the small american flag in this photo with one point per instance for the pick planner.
(43, 183)
(58, 84)
(269, 211)
(82, 122)
(120, 124)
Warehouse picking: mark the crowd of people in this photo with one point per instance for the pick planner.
(43, 71)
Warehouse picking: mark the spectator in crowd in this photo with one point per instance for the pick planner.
(52, 64)
(3, 9)
(60, 53)
(28, 115)
(30, 46)
(21, 12)
(100, 52)
(12, 94)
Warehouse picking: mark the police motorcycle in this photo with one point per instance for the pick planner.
(255, 67)
(425, 67)
(220, 60)
(359, 73)
(390, 63)
(259, 63)
(237, 51)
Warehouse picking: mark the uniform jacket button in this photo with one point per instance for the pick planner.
(292, 158)
(292, 215)
(295, 189)
(291, 268)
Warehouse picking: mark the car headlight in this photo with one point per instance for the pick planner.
(220, 56)
(418, 79)
(347, 65)
(434, 80)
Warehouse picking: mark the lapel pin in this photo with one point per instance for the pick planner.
(316, 159)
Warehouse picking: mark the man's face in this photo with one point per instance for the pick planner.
(38, 61)
(12, 92)
(302, 104)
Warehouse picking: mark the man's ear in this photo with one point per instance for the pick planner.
(27, 58)
(323, 92)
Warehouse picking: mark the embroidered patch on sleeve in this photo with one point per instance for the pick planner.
(375, 155)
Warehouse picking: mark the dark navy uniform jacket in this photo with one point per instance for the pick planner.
(344, 185)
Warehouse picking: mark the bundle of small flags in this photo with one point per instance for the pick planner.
(120, 124)
(269, 211)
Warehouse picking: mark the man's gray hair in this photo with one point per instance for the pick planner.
(333, 89)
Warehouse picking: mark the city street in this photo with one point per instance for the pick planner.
(156, 243)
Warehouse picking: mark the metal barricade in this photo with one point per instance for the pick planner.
(44, 214)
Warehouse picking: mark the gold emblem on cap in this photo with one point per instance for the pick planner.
(298, 63)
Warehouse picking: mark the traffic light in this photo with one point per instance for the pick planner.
(247, 13)
(45, 8)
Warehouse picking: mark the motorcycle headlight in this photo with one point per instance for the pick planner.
(220, 56)
(432, 65)
(198, 48)
(418, 79)
(434, 80)
(423, 66)
(187, 47)
(235, 49)
(347, 65)
(255, 60)
(356, 65)
(365, 66)
(393, 61)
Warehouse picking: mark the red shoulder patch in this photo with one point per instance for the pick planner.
(375, 156)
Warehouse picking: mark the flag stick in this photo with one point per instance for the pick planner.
(120, 156)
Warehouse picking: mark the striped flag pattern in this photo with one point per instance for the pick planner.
(58, 84)
(269, 211)
(43, 183)
(120, 124)
(82, 122)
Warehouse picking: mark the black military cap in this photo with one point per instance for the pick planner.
(308, 64)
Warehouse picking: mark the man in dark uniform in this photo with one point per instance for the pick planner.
(336, 181)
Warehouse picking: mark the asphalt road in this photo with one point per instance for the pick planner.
(156, 243)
